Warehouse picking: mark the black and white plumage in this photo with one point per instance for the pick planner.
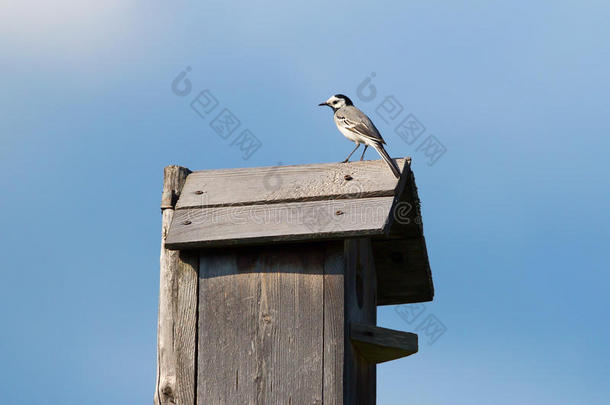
(357, 127)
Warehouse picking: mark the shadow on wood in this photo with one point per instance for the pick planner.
(377, 344)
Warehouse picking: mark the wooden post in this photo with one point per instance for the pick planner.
(360, 307)
(177, 328)
(269, 295)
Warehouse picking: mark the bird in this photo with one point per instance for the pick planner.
(358, 128)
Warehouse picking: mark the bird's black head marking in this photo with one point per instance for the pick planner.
(346, 98)
(337, 101)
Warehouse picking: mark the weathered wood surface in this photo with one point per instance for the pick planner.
(403, 271)
(378, 345)
(176, 336)
(262, 185)
(334, 321)
(302, 221)
(262, 325)
(270, 324)
(405, 221)
(360, 377)
(401, 260)
(300, 204)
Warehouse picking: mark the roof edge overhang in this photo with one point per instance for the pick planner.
(316, 202)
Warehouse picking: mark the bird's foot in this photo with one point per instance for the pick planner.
(345, 161)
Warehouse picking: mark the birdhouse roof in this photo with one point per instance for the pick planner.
(316, 202)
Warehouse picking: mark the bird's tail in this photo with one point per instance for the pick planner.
(393, 166)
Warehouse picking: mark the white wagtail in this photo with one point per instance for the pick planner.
(357, 127)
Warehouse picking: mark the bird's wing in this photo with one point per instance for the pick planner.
(356, 121)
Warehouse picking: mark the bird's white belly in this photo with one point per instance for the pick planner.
(352, 136)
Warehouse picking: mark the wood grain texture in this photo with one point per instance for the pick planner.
(185, 327)
(176, 336)
(378, 345)
(334, 321)
(360, 376)
(261, 325)
(257, 224)
(263, 185)
(174, 178)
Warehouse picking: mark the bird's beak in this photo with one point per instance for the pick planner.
(322, 104)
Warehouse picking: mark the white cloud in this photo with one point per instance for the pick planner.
(61, 25)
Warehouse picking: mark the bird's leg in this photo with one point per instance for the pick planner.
(350, 155)
(363, 152)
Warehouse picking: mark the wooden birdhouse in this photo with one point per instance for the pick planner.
(271, 278)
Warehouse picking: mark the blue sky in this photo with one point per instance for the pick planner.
(515, 210)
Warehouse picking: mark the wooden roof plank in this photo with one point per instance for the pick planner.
(296, 221)
(264, 185)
